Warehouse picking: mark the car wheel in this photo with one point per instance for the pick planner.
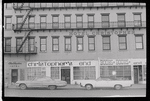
(23, 86)
(117, 87)
(88, 86)
(52, 87)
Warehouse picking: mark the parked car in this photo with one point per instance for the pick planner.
(104, 82)
(42, 83)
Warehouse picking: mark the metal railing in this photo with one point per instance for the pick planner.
(23, 50)
(84, 25)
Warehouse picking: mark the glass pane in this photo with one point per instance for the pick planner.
(119, 68)
(43, 40)
(8, 48)
(79, 25)
(120, 4)
(43, 4)
(31, 19)
(9, 5)
(137, 17)
(55, 47)
(55, 19)
(91, 18)
(122, 39)
(137, 23)
(68, 41)
(8, 20)
(127, 68)
(8, 41)
(31, 41)
(105, 24)
(80, 47)
(19, 41)
(121, 18)
(31, 25)
(121, 24)
(19, 19)
(31, 48)
(106, 40)
(43, 19)
(67, 25)
(55, 4)
(139, 45)
(138, 38)
(43, 47)
(105, 18)
(68, 47)
(122, 46)
(67, 4)
(79, 18)
(91, 40)
(55, 25)
(79, 40)
(43, 25)
(55, 40)
(79, 4)
(91, 46)
(67, 18)
(106, 46)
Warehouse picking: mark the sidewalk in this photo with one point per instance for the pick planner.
(72, 86)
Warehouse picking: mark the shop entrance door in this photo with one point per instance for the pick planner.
(65, 75)
(14, 75)
(136, 75)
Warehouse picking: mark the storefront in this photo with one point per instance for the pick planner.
(69, 71)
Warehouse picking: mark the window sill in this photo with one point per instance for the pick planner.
(106, 50)
(55, 51)
(43, 52)
(139, 49)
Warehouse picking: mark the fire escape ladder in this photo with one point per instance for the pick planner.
(24, 39)
(25, 18)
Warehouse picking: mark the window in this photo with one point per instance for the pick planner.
(55, 43)
(67, 4)
(55, 4)
(106, 42)
(8, 22)
(43, 4)
(121, 20)
(31, 22)
(90, 21)
(82, 73)
(7, 44)
(67, 43)
(43, 21)
(8, 5)
(78, 4)
(90, 4)
(55, 19)
(122, 43)
(122, 72)
(79, 22)
(55, 72)
(144, 71)
(136, 4)
(43, 44)
(31, 4)
(139, 41)
(91, 43)
(31, 46)
(137, 19)
(104, 4)
(18, 44)
(105, 20)
(67, 21)
(80, 43)
(19, 21)
(120, 4)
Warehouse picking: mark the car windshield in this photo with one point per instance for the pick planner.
(41, 78)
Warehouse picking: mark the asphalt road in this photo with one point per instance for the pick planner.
(72, 92)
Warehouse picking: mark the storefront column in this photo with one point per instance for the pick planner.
(132, 73)
(71, 75)
(97, 69)
(48, 72)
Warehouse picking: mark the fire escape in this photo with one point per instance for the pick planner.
(20, 26)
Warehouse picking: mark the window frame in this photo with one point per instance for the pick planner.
(55, 23)
(31, 22)
(80, 43)
(29, 45)
(122, 42)
(17, 22)
(6, 38)
(141, 35)
(8, 7)
(77, 5)
(104, 36)
(43, 22)
(68, 15)
(120, 21)
(55, 37)
(89, 15)
(140, 21)
(43, 37)
(21, 38)
(103, 22)
(67, 5)
(6, 17)
(91, 43)
(78, 22)
(90, 4)
(67, 44)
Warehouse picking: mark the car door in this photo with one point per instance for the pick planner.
(102, 83)
(37, 83)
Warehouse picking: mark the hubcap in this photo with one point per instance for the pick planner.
(22, 86)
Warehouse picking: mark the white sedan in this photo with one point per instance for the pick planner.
(41, 82)
(104, 82)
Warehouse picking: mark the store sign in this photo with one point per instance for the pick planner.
(123, 62)
(101, 32)
(15, 64)
(138, 61)
(59, 63)
(107, 62)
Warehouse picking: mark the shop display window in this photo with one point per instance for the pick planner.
(55, 72)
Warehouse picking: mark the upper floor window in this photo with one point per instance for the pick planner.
(55, 43)
(122, 43)
(79, 23)
(67, 19)
(139, 41)
(8, 5)
(8, 22)
(43, 44)
(31, 4)
(106, 42)
(43, 4)
(43, 21)
(31, 44)
(7, 44)
(90, 21)
(78, 4)
(120, 4)
(91, 43)
(18, 44)
(79, 43)
(137, 19)
(121, 20)
(90, 4)
(55, 4)
(105, 20)
(55, 21)
(31, 21)
(135, 4)
(67, 43)
(104, 4)
(67, 4)
(19, 21)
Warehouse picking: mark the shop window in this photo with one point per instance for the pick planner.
(18, 44)
(79, 21)
(137, 19)
(91, 43)
(67, 21)
(42, 21)
(106, 42)
(139, 41)
(81, 73)
(55, 72)
(121, 20)
(80, 43)
(122, 43)
(105, 20)
(22, 74)
(121, 72)
(8, 22)
(67, 43)
(55, 43)
(144, 72)
(31, 22)
(90, 21)
(43, 44)
(55, 23)
(7, 44)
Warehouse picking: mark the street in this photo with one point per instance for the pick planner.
(74, 92)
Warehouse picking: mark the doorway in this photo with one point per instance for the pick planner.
(135, 75)
(14, 75)
(65, 75)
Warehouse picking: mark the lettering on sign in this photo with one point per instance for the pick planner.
(122, 62)
(85, 63)
(107, 62)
